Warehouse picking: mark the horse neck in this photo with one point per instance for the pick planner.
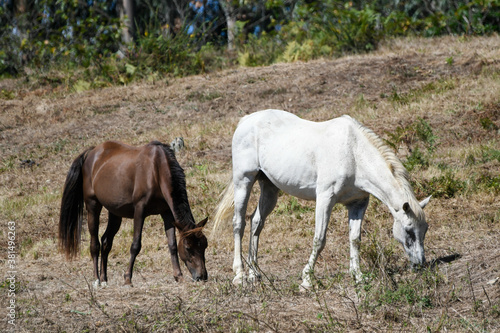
(183, 218)
(174, 189)
(380, 173)
(376, 178)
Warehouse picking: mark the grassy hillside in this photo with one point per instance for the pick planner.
(435, 101)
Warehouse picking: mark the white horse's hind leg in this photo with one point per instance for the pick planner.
(356, 212)
(267, 202)
(242, 190)
(324, 205)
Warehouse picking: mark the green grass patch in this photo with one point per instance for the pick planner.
(16, 208)
(417, 94)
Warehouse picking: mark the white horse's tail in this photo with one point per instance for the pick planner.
(224, 210)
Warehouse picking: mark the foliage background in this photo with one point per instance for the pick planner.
(79, 41)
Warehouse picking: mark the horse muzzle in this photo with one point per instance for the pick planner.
(416, 255)
(418, 267)
(199, 275)
(418, 262)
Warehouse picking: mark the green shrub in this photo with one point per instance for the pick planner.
(489, 154)
(444, 186)
(335, 27)
(489, 183)
(420, 130)
(425, 133)
(416, 159)
(295, 51)
(488, 124)
(259, 51)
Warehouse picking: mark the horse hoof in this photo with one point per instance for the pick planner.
(253, 278)
(238, 279)
(104, 284)
(96, 284)
(304, 287)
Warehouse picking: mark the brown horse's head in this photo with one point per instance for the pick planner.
(192, 246)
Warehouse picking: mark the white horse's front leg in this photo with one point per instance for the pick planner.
(324, 204)
(356, 212)
(238, 268)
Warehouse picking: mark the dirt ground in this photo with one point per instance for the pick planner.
(451, 83)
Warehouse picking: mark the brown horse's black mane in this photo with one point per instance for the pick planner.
(182, 209)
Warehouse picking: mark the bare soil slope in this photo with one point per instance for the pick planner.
(451, 84)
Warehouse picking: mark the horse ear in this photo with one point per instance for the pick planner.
(406, 207)
(202, 223)
(424, 202)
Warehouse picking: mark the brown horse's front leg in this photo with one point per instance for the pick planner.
(114, 223)
(172, 245)
(135, 248)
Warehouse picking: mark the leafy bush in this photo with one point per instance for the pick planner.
(424, 132)
(259, 51)
(416, 159)
(444, 186)
(431, 18)
(489, 183)
(420, 130)
(170, 54)
(335, 27)
(65, 33)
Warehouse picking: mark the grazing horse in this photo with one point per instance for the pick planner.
(130, 182)
(336, 161)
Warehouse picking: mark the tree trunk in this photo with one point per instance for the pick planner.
(230, 13)
(21, 6)
(127, 18)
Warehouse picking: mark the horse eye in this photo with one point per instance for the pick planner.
(411, 234)
(410, 239)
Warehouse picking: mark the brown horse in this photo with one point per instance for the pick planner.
(130, 182)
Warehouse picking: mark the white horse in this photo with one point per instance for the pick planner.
(336, 161)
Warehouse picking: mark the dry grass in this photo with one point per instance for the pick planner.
(450, 83)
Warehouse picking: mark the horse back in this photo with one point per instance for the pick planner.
(300, 157)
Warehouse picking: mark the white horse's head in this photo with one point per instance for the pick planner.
(409, 229)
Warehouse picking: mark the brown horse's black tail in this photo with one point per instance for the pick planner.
(70, 221)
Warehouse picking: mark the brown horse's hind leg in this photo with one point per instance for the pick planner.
(135, 248)
(114, 223)
(168, 219)
(94, 210)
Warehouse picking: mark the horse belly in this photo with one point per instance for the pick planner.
(116, 201)
(290, 174)
(114, 191)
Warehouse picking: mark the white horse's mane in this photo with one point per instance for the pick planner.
(397, 168)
